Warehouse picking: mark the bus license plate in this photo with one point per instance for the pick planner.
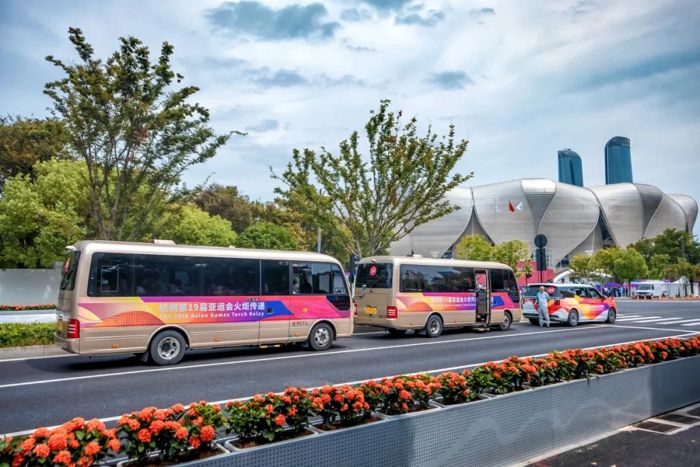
(371, 310)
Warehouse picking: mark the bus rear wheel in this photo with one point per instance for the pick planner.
(167, 348)
(507, 321)
(321, 337)
(433, 328)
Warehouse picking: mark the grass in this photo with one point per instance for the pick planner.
(23, 334)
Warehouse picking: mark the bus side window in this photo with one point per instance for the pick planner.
(275, 277)
(497, 284)
(111, 275)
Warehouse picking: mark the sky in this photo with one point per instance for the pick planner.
(519, 79)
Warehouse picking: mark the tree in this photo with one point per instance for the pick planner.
(267, 236)
(39, 216)
(583, 266)
(189, 225)
(645, 246)
(474, 247)
(657, 266)
(681, 269)
(669, 243)
(226, 202)
(132, 129)
(604, 260)
(368, 203)
(26, 141)
(513, 253)
(630, 265)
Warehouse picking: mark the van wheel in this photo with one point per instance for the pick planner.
(167, 348)
(507, 321)
(321, 337)
(572, 320)
(612, 316)
(433, 328)
(397, 332)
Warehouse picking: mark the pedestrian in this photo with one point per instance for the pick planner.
(542, 308)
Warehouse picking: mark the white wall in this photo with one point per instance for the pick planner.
(29, 286)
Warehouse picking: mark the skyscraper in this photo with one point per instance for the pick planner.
(570, 167)
(618, 161)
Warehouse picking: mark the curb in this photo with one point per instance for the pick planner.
(11, 353)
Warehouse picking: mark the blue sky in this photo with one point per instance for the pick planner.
(519, 79)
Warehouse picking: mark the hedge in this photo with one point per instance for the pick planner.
(45, 306)
(24, 334)
(180, 433)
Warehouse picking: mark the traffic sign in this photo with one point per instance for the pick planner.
(540, 241)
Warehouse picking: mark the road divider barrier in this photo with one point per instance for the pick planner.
(381, 419)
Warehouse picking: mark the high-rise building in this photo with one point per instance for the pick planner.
(618, 161)
(570, 167)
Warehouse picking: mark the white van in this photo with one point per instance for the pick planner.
(652, 289)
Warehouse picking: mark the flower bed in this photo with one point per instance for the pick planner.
(46, 306)
(181, 433)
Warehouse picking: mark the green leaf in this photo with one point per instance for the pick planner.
(268, 435)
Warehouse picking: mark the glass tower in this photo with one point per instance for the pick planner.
(618, 161)
(570, 167)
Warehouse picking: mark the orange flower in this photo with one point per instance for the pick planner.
(338, 398)
(144, 436)
(404, 407)
(74, 444)
(279, 420)
(326, 398)
(28, 444)
(194, 442)
(178, 408)
(57, 442)
(181, 433)
(85, 461)
(109, 433)
(92, 448)
(146, 413)
(292, 411)
(207, 433)
(95, 424)
(114, 445)
(40, 432)
(404, 395)
(42, 450)
(497, 375)
(63, 457)
(156, 426)
(133, 424)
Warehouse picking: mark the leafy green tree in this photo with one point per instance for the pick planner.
(658, 264)
(604, 260)
(669, 243)
(26, 141)
(583, 266)
(630, 265)
(369, 202)
(645, 247)
(226, 202)
(474, 247)
(681, 269)
(189, 225)
(39, 216)
(132, 129)
(267, 236)
(513, 253)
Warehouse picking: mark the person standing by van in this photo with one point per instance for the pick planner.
(542, 308)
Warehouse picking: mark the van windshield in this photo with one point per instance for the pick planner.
(70, 267)
(374, 275)
(644, 287)
(531, 291)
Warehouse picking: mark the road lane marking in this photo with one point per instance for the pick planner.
(697, 323)
(290, 357)
(440, 370)
(657, 320)
(646, 317)
(683, 321)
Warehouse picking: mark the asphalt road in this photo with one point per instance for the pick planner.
(47, 391)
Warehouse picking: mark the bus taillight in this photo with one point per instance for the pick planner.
(73, 329)
(354, 307)
(391, 312)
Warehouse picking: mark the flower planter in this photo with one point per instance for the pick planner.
(231, 444)
(431, 406)
(317, 427)
(216, 447)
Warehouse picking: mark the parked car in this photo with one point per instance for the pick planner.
(570, 304)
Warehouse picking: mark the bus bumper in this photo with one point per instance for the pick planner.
(69, 345)
(379, 322)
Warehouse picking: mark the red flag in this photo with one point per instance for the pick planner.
(510, 206)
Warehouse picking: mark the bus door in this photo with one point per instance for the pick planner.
(275, 302)
(483, 296)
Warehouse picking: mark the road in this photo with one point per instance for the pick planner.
(50, 390)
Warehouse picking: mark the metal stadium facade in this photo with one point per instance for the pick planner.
(576, 220)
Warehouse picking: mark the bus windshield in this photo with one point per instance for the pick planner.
(374, 275)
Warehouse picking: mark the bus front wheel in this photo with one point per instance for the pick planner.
(167, 348)
(321, 337)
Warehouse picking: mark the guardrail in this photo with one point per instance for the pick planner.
(498, 431)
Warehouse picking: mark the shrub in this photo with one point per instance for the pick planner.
(45, 306)
(201, 421)
(151, 429)
(454, 388)
(22, 334)
(403, 394)
(8, 445)
(344, 405)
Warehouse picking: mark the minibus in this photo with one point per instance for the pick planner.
(158, 300)
(401, 293)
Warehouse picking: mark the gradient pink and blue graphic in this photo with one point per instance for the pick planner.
(444, 301)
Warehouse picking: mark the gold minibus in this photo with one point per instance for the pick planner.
(401, 293)
(160, 299)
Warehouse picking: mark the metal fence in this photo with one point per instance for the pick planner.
(496, 432)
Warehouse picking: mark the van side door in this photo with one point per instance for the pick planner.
(483, 296)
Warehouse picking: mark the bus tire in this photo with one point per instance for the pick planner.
(167, 348)
(321, 337)
(612, 316)
(572, 320)
(397, 332)
(507, 321)
(433, 327)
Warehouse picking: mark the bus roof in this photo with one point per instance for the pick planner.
(434, 262)
(91, 246)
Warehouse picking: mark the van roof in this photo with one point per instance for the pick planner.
(433, 262)
(91, 246)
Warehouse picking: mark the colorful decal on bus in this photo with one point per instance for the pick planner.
(156, 311)
(444, 301)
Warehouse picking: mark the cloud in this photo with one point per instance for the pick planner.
(387, 5)
(355, 15)
(266, 78)
(415, 19)
(264, 126)
(450, 79)
(262, 22)
(480, 12)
